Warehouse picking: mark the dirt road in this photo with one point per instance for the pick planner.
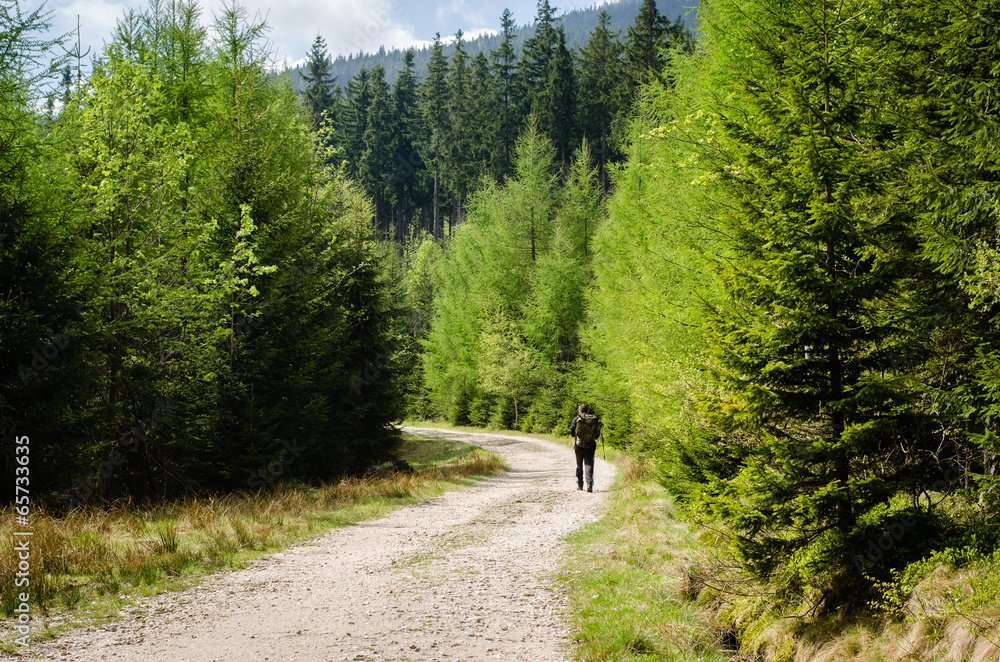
(468, 576)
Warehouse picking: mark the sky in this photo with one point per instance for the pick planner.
(348, 26)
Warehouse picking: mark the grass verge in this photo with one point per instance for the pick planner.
(627, 580)
(87, 565)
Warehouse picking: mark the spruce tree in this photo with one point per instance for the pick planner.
(557, 101)
(600, 93)
(406, 161)
(815, 414)
(939, 72)
(487, 155)
(461, 133)
(354, 120)
(504, 67)
(644, 44)
(534, 67)
(319, 94)
(434, 103)
(376, 159)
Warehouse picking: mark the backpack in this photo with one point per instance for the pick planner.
(588, 429)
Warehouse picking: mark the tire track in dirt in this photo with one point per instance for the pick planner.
(468, 576)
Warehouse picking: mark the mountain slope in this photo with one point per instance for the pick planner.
(577, 23)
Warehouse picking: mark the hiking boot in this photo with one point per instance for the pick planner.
(590, 488)
(579, 486)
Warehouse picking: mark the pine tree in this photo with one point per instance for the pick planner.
(434, 101)
(504, 67)
(487, 155)
(817, 417)
(376, 157)
(45, 368)
(644, 43)
(354, 120)
(557, 101)
(319, 95)
(461, 129)
(406, 132)
(536, 57)
(601, 92)
(939, 71)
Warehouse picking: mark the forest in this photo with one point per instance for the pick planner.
(768, 257)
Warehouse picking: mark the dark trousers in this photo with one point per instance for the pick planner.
(585, 459)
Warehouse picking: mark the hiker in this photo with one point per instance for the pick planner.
(585, 429)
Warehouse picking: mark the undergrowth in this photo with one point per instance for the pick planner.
(627, 577)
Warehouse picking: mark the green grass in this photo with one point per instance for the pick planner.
(89, 563)
(627, 580)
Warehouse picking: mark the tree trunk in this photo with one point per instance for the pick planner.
(437, 202)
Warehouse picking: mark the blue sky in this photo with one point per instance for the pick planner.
(347, 25)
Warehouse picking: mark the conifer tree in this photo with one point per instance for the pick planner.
(354, 119)
(557, 102)
(434, 102)
(536, 56)
(816, 415)
(504, 67)
(644, 43)
(487, 158)
(601, 92)
(461, 129)
(376, 159)
(406, 132)
(319, 94)
(939, 72)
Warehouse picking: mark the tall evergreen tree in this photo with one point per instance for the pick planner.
(536, 57)
(815, 413)
(354, 120)
(319, 95)
(376, 158)
(505, 70)
(406, 132)
(434, 102)
(486, 115)
(940, 74)
(557, 102)
(461, 133)
(601, 92)
(644, 44)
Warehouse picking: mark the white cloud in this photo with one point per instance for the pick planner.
(460, 8)
(469, 35)
(349, 26)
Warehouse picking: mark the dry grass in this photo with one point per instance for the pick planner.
(950, 616)
(79, 557)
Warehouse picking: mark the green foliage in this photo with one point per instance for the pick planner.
(214, 298)
(508, 296)
(787, 262)
(644, 338)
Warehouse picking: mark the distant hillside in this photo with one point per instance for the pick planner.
(578, 25)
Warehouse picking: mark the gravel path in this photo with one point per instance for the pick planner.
(466, 576)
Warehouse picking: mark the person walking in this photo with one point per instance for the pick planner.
(585, 428)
